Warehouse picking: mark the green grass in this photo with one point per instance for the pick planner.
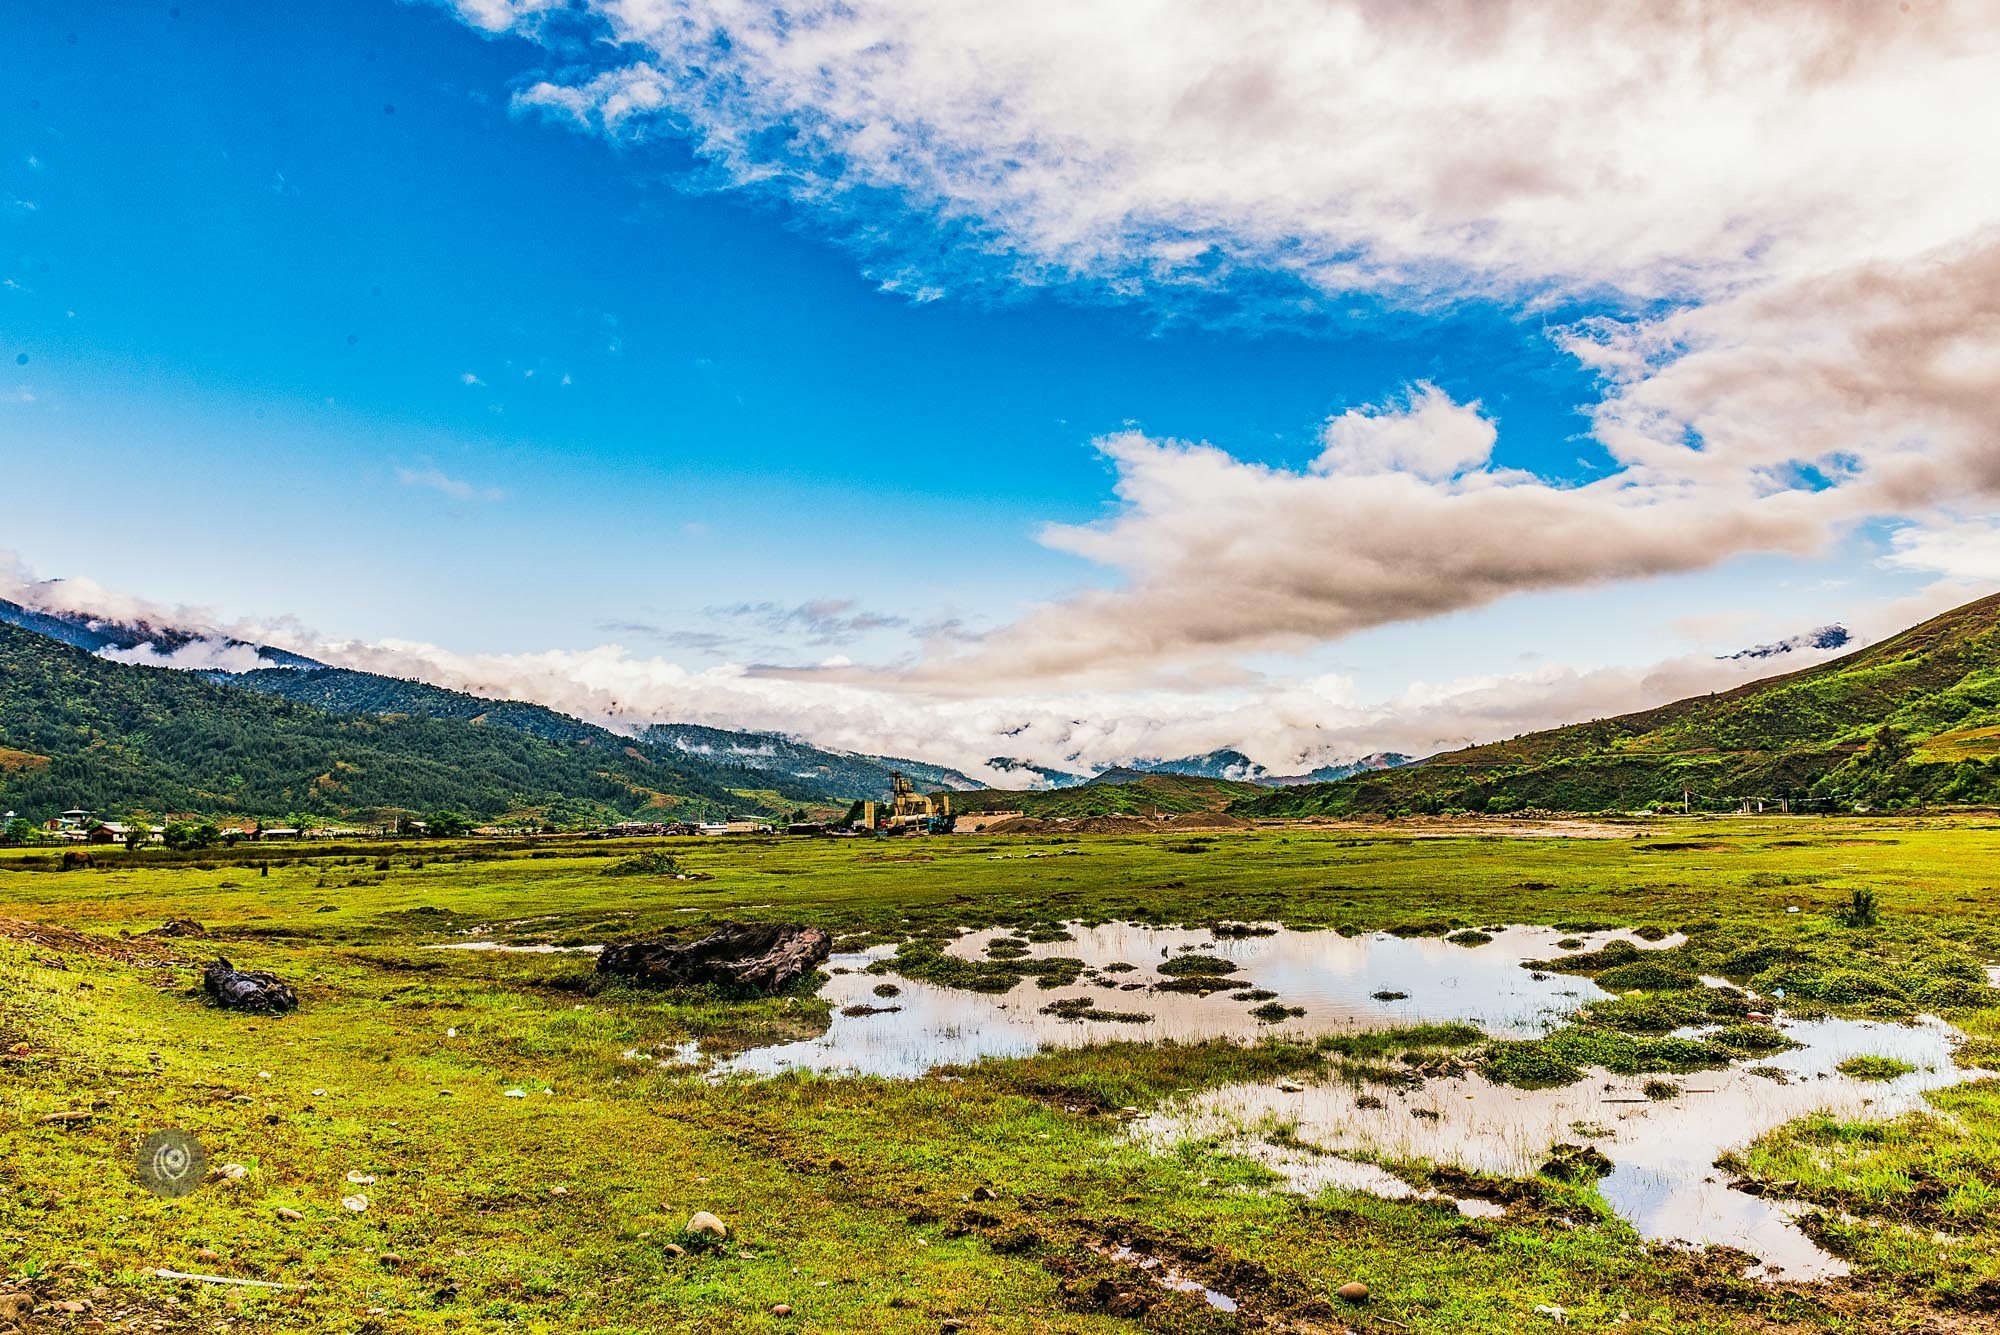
(851, 1197)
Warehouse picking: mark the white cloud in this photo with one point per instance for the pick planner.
(1957, 549)
(436, 479)
(1786, 217)
(1400, 517)
(1514, 148)
(471, 380)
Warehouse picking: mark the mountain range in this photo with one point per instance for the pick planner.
(1914, 719)
(78, 728)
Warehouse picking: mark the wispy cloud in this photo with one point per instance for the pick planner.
(436, 479)
(821, 621)
(470, 379)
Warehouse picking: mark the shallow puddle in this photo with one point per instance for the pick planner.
(1663, 1178)
(1341, 983)
(1662, 1151)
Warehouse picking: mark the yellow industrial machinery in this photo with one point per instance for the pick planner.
(912, 808)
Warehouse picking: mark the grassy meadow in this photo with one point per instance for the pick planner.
(852, 1203)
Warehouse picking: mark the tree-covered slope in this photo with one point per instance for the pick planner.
(1913, 719)
(790, 765)
(749, 761)
(112, 737)
(1115, 793)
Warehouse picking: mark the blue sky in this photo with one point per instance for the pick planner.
(344, 325)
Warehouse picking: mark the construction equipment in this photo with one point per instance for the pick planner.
(911, 810)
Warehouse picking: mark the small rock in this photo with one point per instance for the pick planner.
(781, 1309)
(208, 1255)
(558, 1191)
(985, 1194)
(232, 1172)
(1559, 1315)
(517, 1093)
(356, 1202)
(289, 1215)
(391, 1259)
(951, 1326)
(1354, 1291)
(675, 1249)
(704, 1222)
(1290, 1087)
(359, 1178)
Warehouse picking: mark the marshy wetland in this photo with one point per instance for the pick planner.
(1662, 1076)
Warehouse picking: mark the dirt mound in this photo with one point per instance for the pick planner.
(1209, 820)
(1115, 825)
(52, 937)
(767, 956)
(1024, 825)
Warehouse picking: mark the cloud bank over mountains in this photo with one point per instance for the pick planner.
(1772, 232)
(1287, 724)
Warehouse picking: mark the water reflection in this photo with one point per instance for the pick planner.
(1335, 979)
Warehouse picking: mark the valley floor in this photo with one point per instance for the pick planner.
(530, 1173)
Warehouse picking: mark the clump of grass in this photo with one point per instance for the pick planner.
(1660, 1090)
(924, 959)
(1560, 1058)
(1272, 1012)
(1650, 932)
(1469, 937)
(645, 864)
(1874, 1068)
(1647, 976)
(1861, 910)
(1197, 966)
(1083, 1008)
(1389, 994)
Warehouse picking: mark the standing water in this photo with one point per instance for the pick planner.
(1321, 1136)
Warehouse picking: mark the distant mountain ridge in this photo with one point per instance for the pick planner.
(1912, 719)
(98, 634)
(1117, 792)
(791, 770)
(1239, 768)
(76, 728)
(1825, 637)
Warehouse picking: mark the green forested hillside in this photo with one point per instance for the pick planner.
(1912, 720)
(77, 730)
(1115, 793)
(764, 762)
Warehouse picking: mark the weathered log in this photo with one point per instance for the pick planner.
(242, 990)
(766, 956)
